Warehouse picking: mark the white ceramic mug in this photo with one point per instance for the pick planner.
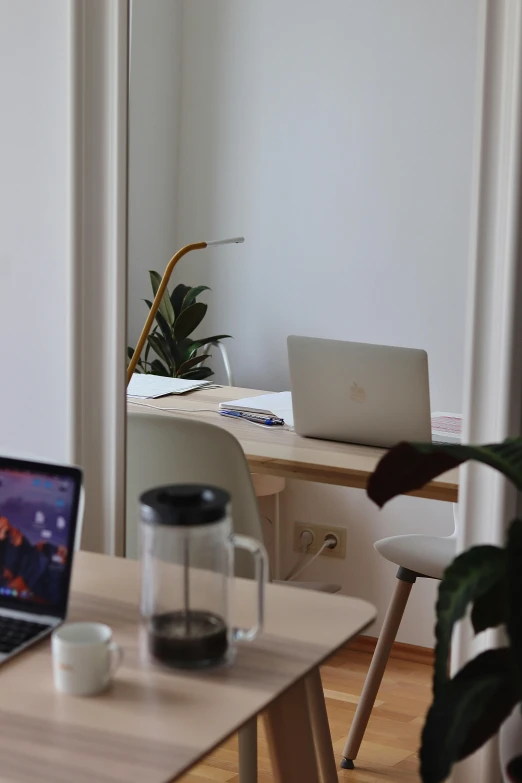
(84, 658)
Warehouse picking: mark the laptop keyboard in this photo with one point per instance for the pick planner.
(14, 633)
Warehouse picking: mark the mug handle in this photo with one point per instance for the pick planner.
(258, 551)
(116, 654)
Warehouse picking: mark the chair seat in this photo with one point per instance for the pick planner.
(267, 485)
(428, 555)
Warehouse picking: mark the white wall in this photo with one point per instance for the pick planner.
(35, 242)
(337, 138)
(154, 95)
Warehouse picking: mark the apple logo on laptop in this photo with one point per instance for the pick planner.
(357, 393)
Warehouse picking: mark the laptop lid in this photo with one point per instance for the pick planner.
(374, 395)
(39, 509)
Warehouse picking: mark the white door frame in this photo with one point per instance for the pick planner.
(493, 373)
(99, 40)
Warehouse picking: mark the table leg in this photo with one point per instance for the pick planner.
(277, 538)
(290, 737)
(320, 727)
(248, 752)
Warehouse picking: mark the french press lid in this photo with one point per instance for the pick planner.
(183, 505)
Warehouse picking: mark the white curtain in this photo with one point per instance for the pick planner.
(493, 373)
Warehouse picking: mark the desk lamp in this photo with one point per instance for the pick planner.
(161, 290)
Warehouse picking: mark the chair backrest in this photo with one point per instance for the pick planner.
(224, 355)
(455, 520)
(173, 450)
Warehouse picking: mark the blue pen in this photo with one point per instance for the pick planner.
(254, 418)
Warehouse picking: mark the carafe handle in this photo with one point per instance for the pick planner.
(258, 551)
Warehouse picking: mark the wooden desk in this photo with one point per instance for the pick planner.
(280, 452)
(154, 724)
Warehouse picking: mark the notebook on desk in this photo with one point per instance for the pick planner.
(274, 404)
(148, 386)
(446, 427)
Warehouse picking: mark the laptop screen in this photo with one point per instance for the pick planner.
(38, 514)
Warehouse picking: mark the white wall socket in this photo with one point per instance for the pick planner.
(319, 533)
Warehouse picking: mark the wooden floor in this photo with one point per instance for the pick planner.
(389, 751)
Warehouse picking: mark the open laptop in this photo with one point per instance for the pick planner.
(376, 395)
(40, 508)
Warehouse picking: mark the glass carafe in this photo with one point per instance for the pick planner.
(187, 573)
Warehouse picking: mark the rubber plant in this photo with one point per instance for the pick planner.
(170, 351)
(468, 708)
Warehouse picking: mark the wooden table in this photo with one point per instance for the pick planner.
(154, 724)
(280, 452)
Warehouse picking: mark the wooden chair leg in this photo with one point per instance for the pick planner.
(406, 580)
(320, 727)
(290, 737)
(247, 736)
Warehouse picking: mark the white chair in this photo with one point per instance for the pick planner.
(224, 356)
(264, 486)
(171, 449)
(417, 556)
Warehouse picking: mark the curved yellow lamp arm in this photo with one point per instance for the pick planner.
(161, 290)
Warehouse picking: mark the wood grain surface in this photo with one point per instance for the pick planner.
(389, 750)
(153, 724)
(279, 451)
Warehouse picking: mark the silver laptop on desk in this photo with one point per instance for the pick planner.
(375, 395)
(40, 508)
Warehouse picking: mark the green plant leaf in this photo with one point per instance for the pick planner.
(468, 577)
(491, 608)
(147, 347)
(165, 307)
(164, 326)
(199, 374)
(209, 340)
(147, 350)
(192, 294)
(186, 349)
(191, 363)
(189, 319)
(409, 466)
(171, 345)
(140, 365)
(177, 297)
(159, 369)
(514, 588)
(466, 712)
(160, 349)
(514, 770)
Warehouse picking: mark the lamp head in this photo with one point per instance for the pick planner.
(230, 241)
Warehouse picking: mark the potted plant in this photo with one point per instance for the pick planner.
(470, 707)
(176, 354)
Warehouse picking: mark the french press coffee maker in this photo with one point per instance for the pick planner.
(187, 572)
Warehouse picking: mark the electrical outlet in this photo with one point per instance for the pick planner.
(319, 533)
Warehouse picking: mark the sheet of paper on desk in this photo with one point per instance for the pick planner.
(276, 404)
(151, 386)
